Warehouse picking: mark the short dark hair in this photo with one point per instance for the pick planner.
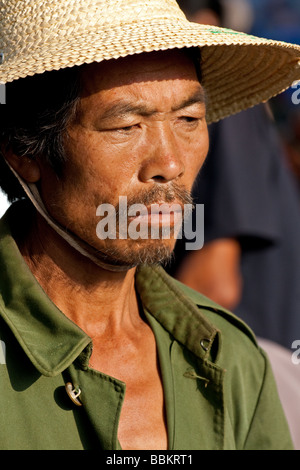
(34, 121)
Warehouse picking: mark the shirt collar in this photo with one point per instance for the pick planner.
(178, 313)
(52, 341)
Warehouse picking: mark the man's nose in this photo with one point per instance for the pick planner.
(164, 160)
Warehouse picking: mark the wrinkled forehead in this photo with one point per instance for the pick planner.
(139, 68)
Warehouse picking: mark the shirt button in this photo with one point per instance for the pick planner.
(205, 343)
(73, 393)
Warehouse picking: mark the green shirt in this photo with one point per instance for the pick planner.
(218, 387)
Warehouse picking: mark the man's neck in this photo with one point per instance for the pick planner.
(98, 301)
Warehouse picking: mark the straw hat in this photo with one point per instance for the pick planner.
(239, 70)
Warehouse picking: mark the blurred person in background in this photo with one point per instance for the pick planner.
(277, 19)
(250, 262)
(280, 20)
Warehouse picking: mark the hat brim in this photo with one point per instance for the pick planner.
(239, 70)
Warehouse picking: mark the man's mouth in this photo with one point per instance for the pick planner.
(159, 214)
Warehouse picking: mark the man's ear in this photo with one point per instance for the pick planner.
(27, 168)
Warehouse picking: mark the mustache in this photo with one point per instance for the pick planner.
(173, 193)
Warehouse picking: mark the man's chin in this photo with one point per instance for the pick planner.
(139, 253)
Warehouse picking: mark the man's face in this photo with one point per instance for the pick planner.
(140, 132)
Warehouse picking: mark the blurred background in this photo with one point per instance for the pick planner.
(273, 19)
(280, 20)
(3, 203)
(250, 188)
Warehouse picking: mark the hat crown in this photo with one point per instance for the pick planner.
(26, 23)
(47, 15)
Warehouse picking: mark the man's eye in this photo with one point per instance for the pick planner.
(127, 129)
(189, 119)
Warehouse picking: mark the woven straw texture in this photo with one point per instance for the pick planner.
(239, 70)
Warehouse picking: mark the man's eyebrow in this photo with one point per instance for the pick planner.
(197, 98)
(121, 109)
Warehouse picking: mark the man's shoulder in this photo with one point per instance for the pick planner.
(235, 347)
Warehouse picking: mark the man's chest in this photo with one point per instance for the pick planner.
(142, 423)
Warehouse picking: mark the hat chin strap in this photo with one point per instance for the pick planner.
(79, 245)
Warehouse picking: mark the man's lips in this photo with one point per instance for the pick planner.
(161, 214)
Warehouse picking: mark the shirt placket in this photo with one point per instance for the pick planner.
(101, 397)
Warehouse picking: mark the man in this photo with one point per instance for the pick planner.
(99, 349)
